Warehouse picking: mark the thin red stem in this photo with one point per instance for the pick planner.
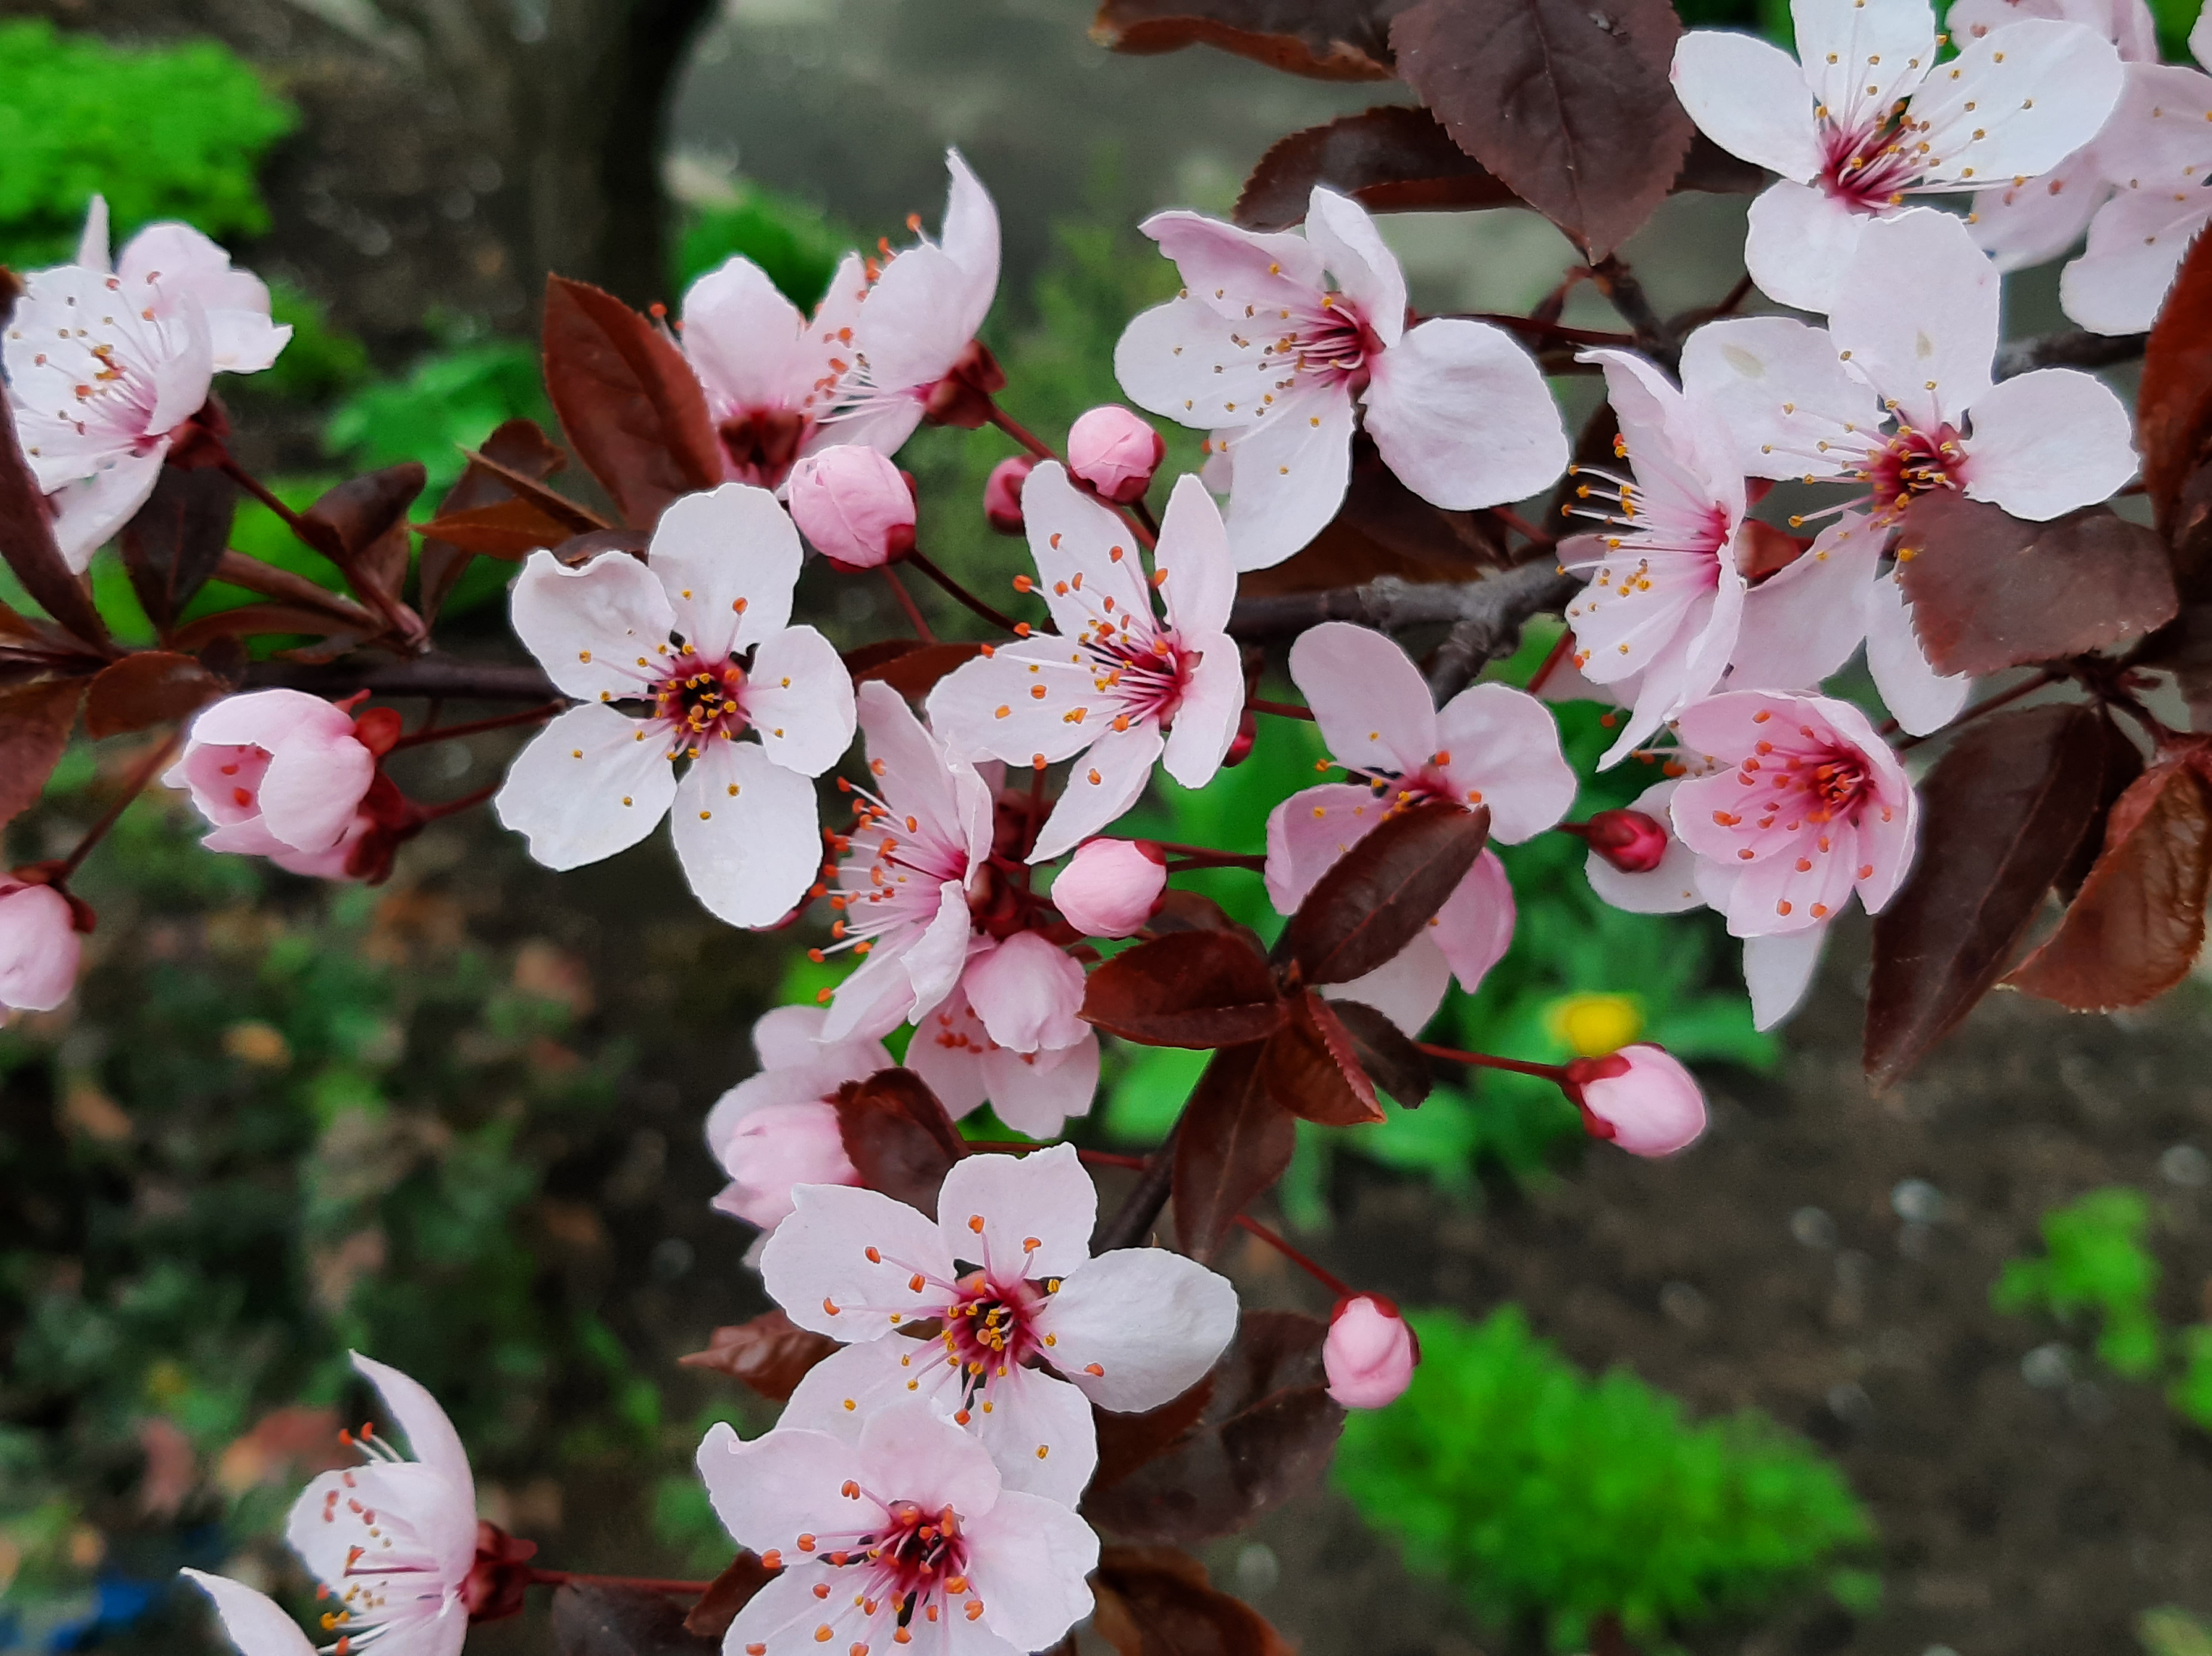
(960, 594)
(913, 615)
(1320, 1274)
(1553, 331)
(1521, 526)
(149, 768)
(1143, 514)
(1552, 661)
(476, 727)
(1549, 1072)
(642, 1583)
(1280, 709)
(454, 808)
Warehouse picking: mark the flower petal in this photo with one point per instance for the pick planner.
(1463, 414)
(1103, 784)
(1474, 927)
(727, 560)
(1040, 1432)
(1198, 579)
(1137, 1326)
(1926, 344)
(1085, 556)
(1778, 970)
(750, 345)
(2047, 441)
(818, 1259)
(1027, 992)
(1029, 1564)
(1802, 622)
(780, 1486)
(89, 511)
(1367, 272)
(1290, 471)
(430, 1435)
(747, 832)
(2023, 225)
(1308, 832)
(1749, 96)
(1799, 240)
(312, 786)
(1670, 888)
(2135, 243)
(1232, 268)
(1504, 754)
(597, 630)
(1036, 1092)
(1368, 699)
(257, 1624)
(1021, 1215)
(799, 699)
(2017, 101)
(1861, 55)
(1923, 700)
(1407, 989)
(591, 783)
(1184, 360)
(1206, 720)
(1782, 392)
(845, 1391)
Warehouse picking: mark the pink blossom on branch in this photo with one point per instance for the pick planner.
(105, 367)
(697, 637)
(854, 506)
(779, 1129)
(280, 773)
(1870, 118)
(1002, 493)
(1110, 886)
(1007, 1266)
(1115, 452)
(1369, 1354)
(1009, 1034)
(1279, 364)
(1119, 685)
(903, 1533)
(39, 948)
(1641, 1097)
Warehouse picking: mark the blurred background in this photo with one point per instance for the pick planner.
(1924, 1373)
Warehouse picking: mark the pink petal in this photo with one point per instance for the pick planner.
(1927, 344)
(780, 1486)
(2024, 225)
(1841, 42)
(1749, 97)
(800, 700)
(1463, 416)
(1474, 928)
(1229, 268)
(1152, 1323)
(257, 1624)
(1045, 1199)
(1923, 700)
(2018, 100)
(1042, 1435)
(748, 834)
(1407, 989)
(589, 627)
(1037, 1093)
(1027, 991)
(1368, 698)
(2047, 441)
(1802, 622)
(1030, 1562)
(1781, 389)
(1103, 784)
(1206, 721)
(969, 236)
(430, 1436)
(91, 511)
(1366, 271)
(1308, 832)
(1291, 472)
(929, 1461)
(40, 949)
(1670, 888)
(750, 345)
(312, 786)
(1198, 580)
(1800, 240)
(267, 718)
(1504, 746)
(727, 560)
(2135, 243)
(1085, 555)
(587, 787)
(818, 1259)
(1778, 970)
(1183, 359)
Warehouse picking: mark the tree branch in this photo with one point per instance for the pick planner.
(424, 675)
(2074, 349)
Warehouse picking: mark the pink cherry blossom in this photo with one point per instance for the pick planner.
(278, 772)
(1115, 452)
(1669, 885)
(1117, 686)
(1110, 886)
(698, 635)
(1665, 597)
(1369, 1354)
(393, 1541)
(920, 840)
(39, 947)
(1805, 805)
(1002, 493)
(1872, 119)
(2034, 220)
(854, 506)
(1641, 1097)
(1007, 1267)
(1894, 398)
(255, 1624)
(1262, 351)
(903, 1533)
(779, 1128)
(1010, 1034)
(105, 366)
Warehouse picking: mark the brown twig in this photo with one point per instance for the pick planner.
(960, 594)
(913, 615)
(475, 726)
(147, 769)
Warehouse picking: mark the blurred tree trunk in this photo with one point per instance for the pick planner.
(452, 152)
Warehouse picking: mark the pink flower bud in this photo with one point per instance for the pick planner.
(1632, 842)
(1002, 494)
(1115, 452)
(38, 948)
(775, 1147)
(279, 770)
(1110, 886)
(1369, 1354)
(853, 505)
(1641, 1097)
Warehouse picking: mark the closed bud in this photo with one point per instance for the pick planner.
(1110, 886)
(854, 506)
(775, 1148)
(1115, 452)
(1641, 1097)
(1630, 840)
(1369, 1354)
(1002, 494)
(38, 948)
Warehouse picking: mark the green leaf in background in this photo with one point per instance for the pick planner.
(2094, 1261)
(448, 401)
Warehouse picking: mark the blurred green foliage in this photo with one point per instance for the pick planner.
(1548, 1498)
(173, 132)
(2170, 1630)
(320, 360)
(2094, 1262)
(796, 244)
(450, 400)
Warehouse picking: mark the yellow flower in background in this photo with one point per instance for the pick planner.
(1591, 1026)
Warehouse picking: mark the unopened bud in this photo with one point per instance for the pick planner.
(854, 506)
(1641, 1097)
(1115, 452)
(1002, 494)
(1370, 1352)
(1110, 886)
(1630, 840)
(378, 729)
(40, 947)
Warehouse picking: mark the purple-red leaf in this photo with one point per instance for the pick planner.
(1384, 1052)
(2007, 806)
(1309, 1067)
(26, 542)
(592, 1620)
(1568, 102)
(1194, 989)
(2134, 929)
(1267, 1431)
(364, 522)
(35, 721)
(908, 666)
(769, 1354)
(510, 529)
(1377, 896)
(632, 408)
(1991, 591)
(1156, 1601)
(1325, 40)
(1234, 1142)
(173, 544)
(512, 465)
(1127, 1441)
(2173, 408)
(898, 1137)
(150, 687)
(1384, 528)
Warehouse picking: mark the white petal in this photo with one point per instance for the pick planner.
(1922, 700)
(1782, 392)
(1407, 989)
(1232, 268)
(1474, 927)
(1749, 96)
(1505, 745)
(774, 1489)
(599, 631)
(1206, 722)
(1863, 55)
(970, 234)
(1366, 271)
(1184, 360)
(994, 1207)
(1802, 622)
(2135, 243)
(1103, 783)
(1290, 473)
(848, 1388)
(799, 699)
(1040, 1433)
(1084, 553)
(1198, 582)
(1778, 970)
(728, 560)
(430, 1436)
(257, 1624)
(1463, 416)
(591, 783)
(2047, 441)
(1670, 888)
(2027, 224)
(818, 1259)
(92, 244)
(90, 512)
(1150, 1322)
(1368, 698)
(1800, 240)
(1036, 1092)
(748, 343)
(914, 327)
(1925, 343)
(2017, 101)
(747, 833)
(1029, 1562)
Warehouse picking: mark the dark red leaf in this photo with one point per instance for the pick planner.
(1377, 896)
(728, 1594)
(1156, 1601)
(1180, 911)
(250, 619)
(1309, 1067)
(769, 1354)
(1383, 528)
(1991, 591)
(2003, 810)
(908, 666)
(171, 546)
(1127, 1441)
(582, 548)
(633, 410)
(2173, 408)
(516, 457)
(1194, 988)
(1266, 1435)
(1567, 101)
(1325, 40)
(591, 1619)
(1234, 1142)
(364, 519)
(510, 529)
(150, 687)
(2136, 927)
(27, 541)
(898, 1136)
(2188, 529)
(2124, 762)
(1384, 1051)
(35, 721)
